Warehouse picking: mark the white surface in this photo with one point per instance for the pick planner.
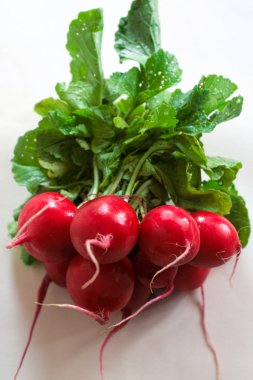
(165, 342)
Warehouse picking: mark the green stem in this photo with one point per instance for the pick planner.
(144, 186)
(94, 189)
(141, 192)
(162, 146)
(113, 186)
(67, 186)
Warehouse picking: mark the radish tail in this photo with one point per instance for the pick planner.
(18, 240)
(101, 241)
(235, 266)
(206, 335)
(102, 320)
(22, 236)
(106, 341)
(40, 298)
(154, 300)
(174, 262)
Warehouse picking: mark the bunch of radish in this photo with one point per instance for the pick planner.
(125, 205)
(110, 261)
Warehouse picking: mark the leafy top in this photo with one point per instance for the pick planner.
(132, 133)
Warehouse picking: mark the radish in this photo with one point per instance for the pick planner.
(43, 227)
(169, 235)
(219, 240)
(111, 290)
(189, 277)
(108, 224)
(57, 272)
(145, 270)
(140, 295)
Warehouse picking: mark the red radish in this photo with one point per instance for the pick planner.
(111, 290)
(43, 227)
(57, 272)
(189, 278)
(169, 236)
(140, 295)
(145, 271)
(219, 240)
(108, 224)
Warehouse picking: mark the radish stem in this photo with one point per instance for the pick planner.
(162, 146)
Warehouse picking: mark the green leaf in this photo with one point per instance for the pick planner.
(78, 94)
(25, 164)
(188, 194)
(84, 45)
(192, 148)
(51, 104)
(72, 193)
(231, 109)
(79, 130)
(219, 89)
(223, 170)
(162, 118)
(158, 99)
(99, 120)
(124, 84)
(138, 35)
(161, 72)
(120, 123)
(12, 228)
(207, 105)
(29, 176)
(239, 216)
(27, 258)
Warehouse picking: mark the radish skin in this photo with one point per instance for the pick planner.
(189, 278)
(169, 235)
(107, 216)
(219, 240)
(111, 291)
(148, 273)
(44, 227)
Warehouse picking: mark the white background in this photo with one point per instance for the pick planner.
(165, 342)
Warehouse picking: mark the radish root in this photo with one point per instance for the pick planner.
(102, 320)
(174, 262)
(101, 241)
(235, 266)
(206, 335)
(106, 341)
(154, 300)
(40, 298)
